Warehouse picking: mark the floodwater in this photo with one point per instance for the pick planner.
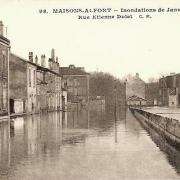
(84, 146)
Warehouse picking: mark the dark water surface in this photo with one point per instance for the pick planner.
(84, 146)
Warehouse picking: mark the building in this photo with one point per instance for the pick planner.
(77, 82)
(22, 85)
(35, 85)
(49, 87)
(136, 101)
(135, 86)
(169, 90)
(152, 93)
(4, 73)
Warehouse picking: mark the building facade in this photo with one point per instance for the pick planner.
(4, 73)
(169, 90)
(49, 87)
(77, 82)
(22, 85)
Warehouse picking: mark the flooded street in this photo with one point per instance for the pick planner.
(84, 146)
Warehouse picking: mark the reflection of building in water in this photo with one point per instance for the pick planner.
(78, 119)
(4, 146)
(4, 59)
(172, 154)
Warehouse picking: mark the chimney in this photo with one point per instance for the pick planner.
(137, 75)
(43, 63)
(71, 66)
(1, 28)
(172, 73)
(31, 56)
(57, 61)
(53, 55)
(36, 59)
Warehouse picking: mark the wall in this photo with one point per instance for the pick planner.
(18, 106)
(4, 61)
(17, 78)
(31, 88)
(170, 128)
(41, 91)
(173, 100)
(49, 94)
(78, 87)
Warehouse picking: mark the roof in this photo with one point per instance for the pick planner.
(4, 40)
(34, 64)
(135, 98)
(72, 70)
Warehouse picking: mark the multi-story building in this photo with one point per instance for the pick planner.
(4, 73)
(49, 91)
(77, 82)
(22, 85)
(169, 90)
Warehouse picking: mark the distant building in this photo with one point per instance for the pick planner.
(152, 93)
(4, 73)
(136, 101)
(77, 82)
(135, 86)
(169, 90)
(22, 85)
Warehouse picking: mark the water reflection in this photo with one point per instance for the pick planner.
(172, 154)
(84, 145)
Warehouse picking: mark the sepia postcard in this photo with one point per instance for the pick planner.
(89, 90)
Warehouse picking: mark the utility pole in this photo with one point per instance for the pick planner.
(115, 109)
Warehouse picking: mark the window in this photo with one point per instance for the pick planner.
(29, 77)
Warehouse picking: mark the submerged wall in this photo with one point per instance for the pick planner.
(167, 127)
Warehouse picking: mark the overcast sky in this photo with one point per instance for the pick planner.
(149, 46)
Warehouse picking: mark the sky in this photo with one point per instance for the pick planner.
(147, 46)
